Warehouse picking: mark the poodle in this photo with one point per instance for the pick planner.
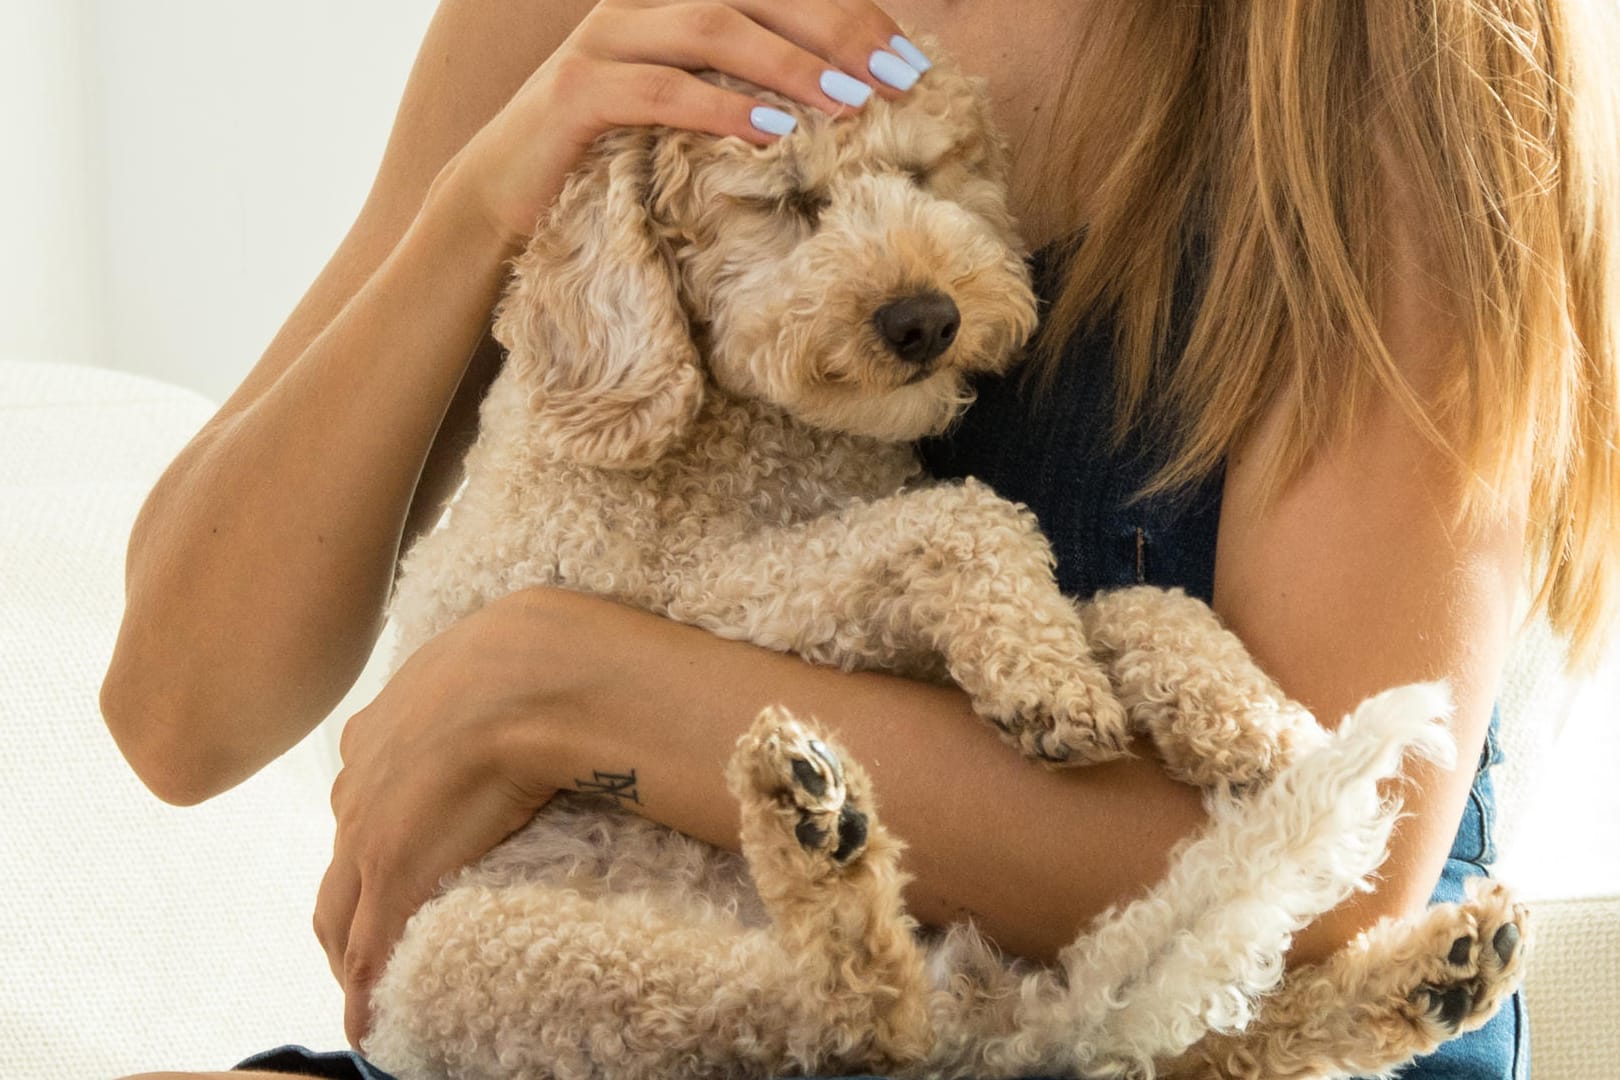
(718, 357)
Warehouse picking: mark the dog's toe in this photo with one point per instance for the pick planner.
(1506, 942)
(1450, 1005)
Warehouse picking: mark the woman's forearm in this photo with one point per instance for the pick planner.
(260, 566)
(1029, 853)
(653, 709)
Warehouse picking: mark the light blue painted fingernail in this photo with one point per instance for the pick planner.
(841, 87)
(910, 53)
(892, 70)
(772, 121)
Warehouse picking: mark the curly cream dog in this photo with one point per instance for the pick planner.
(718, 358)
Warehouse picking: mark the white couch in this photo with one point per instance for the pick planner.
(136, 936)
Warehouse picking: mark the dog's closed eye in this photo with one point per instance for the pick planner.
(802, 204)
(806, 204)
(918, 175)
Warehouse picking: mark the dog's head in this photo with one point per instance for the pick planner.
(855, 273)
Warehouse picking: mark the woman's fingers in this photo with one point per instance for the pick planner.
(334, 910)
(856, 35)
(633, 63)
(812, 53)
(630, 95)
(379, 921)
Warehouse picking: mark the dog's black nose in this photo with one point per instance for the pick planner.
(919, 328)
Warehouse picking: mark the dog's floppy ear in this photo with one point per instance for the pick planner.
(594, 320)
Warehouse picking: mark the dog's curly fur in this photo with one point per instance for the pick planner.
(701, 416)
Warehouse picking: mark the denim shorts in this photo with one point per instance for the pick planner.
(1501, 1049)
(1498, 1051)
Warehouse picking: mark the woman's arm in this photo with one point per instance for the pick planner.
(542, 689)
(1363, 575)
(260, 566)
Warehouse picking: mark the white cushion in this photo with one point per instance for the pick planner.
(135, 935)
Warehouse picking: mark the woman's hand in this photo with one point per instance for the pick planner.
(632, 62)
(441, 767)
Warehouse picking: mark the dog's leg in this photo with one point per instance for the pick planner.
(1189, 684)
(535, 981)
(1398, 991)
(952, 573)
(530, 980)
(1149, 981)
(518, 979)
(829, 875)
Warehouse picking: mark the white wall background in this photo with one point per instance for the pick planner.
(50, 278)
(175, 172)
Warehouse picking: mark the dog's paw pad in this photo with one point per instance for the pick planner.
(805, 768)
(1506, 942)
(1450, 1006)
(828, 823)
(847, 840)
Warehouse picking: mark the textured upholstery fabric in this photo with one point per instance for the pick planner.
(134, 935)
(1573, 989)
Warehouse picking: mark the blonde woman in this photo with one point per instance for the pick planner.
(1330, 343)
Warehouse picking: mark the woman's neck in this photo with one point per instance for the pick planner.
(1026, 49)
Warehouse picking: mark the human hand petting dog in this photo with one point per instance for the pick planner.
(633, 63)
(436, 771)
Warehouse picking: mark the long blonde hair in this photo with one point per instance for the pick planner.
(1260, 119)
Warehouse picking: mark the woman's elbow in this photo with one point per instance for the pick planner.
(159, 734)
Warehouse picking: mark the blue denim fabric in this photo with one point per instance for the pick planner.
(298, 1061)
(1501, 1049)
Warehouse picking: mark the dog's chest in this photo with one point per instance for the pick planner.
(746, 468)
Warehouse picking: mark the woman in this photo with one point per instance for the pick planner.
(1343, 305)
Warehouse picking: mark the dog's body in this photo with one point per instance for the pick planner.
(702, 416)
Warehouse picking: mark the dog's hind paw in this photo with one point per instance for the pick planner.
(793, 782)
(828, 874)
(1476, 959)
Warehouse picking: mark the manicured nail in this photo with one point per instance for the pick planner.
(772, 121)
(843, 88)
(892, 70)
(910, 53)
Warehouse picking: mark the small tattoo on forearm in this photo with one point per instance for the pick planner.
(622, 786)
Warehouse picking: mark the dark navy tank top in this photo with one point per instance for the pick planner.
(1051, 449)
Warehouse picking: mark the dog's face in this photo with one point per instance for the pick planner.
(855, 273)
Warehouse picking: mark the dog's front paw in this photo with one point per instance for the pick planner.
(793, 783)
(1056, 709)
(1189, 685)
(1222, 740)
